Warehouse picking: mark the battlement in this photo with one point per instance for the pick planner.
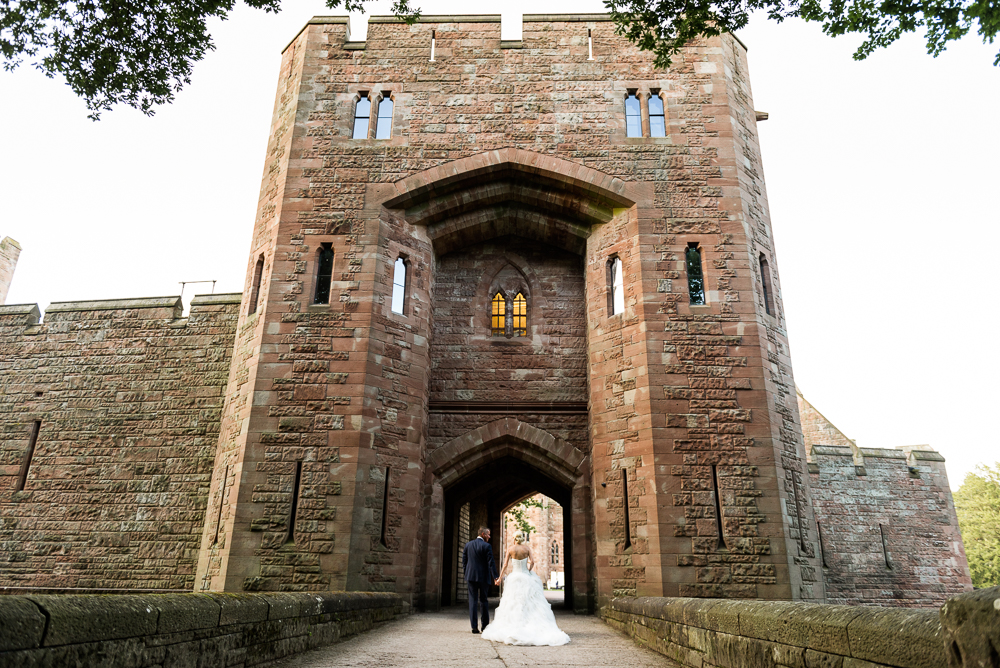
(171, 308)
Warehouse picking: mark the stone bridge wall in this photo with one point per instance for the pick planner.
(181, 630)
(126, 395)
(713, 633)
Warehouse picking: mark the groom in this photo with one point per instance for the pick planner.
(480, 572)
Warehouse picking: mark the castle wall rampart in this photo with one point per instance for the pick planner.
(109, 418)
(889, 533)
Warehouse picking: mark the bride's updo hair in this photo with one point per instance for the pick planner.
(520, 537)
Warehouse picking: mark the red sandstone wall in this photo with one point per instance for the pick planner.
(890, 536)
(673, 389)
(129, 395)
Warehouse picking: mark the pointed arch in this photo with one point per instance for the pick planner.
(507, 437)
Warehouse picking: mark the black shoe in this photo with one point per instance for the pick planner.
(475, 630)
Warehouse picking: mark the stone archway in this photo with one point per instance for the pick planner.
(492, 467)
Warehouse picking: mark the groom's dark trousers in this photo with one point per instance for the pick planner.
(480, 572)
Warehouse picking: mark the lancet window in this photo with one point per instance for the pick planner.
(509, 316)
(362, 117)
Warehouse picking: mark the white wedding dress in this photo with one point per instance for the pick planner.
(524, 617)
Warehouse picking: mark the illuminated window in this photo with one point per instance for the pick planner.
(399, 286)
(657, 119)
(383, 127)
(633, 116)
(520, 313)
(499, 325)
(362, 116)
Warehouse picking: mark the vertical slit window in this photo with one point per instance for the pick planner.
(696, 280)
(822, 547)
(362, 117)
(384, 539)
(290, 538)
(718, 507)
(399, 286)
(222, 498)
(765, 281)
(616, 287)
(520, 312)
(657, 119)
(590, 44)
(383, 127)
(258, 272)
(433, 43)
(498, 320)
(628, 524)
(633, 116)
(885, 547)
(22, 476)
(324, 272)
(555, 553)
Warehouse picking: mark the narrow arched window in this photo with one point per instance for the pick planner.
(383, 127)
(633, 116)
(765, 281)
(519, 322)
(324, 272)
(258, 273)
(362, 116)
(498, 325)
(555, 553)
(616, 287)
(696, 280)
(399, 286)
(657, 119)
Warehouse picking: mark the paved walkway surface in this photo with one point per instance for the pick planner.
(443, 640)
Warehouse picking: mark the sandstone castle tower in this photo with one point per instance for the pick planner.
(583, 314)
(480, 270)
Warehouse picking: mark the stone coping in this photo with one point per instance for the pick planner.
(440, 18)
(114, 304)
(568, 18)
(801, 633)
(52, 629)
(220, 298)
(902, 452)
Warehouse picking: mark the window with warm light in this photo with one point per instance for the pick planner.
(520, 316)
(498, 325)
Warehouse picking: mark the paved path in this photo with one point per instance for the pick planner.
(443, 640)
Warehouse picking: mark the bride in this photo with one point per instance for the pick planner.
(524, 617)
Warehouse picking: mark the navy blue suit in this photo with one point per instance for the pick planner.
(480, 572)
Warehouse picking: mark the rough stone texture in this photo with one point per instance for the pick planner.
(887, 520)
(971, 625)
(182, 630)
(353, 445)
(780, 633)
(513, 155)
(128, 395)
(10, 250)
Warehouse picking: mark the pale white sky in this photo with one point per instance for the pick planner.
(882, 183)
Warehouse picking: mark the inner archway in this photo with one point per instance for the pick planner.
(481, 498)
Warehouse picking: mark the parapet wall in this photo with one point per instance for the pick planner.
(714, 633)
(181, 630)
(109, 418)
(888, 529)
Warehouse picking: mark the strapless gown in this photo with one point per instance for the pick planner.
(524, 617)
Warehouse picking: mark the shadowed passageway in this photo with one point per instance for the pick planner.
(443, 639)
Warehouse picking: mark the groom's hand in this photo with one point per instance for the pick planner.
(497, 582)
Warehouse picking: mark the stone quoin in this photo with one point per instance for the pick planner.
(480, 270)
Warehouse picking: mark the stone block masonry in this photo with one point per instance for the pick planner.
(886, 520)
(109, 420)
(181, 630)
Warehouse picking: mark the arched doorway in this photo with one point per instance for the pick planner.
(481, 498)
(479, 475)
